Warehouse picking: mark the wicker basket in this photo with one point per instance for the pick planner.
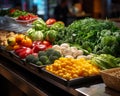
(111, 78)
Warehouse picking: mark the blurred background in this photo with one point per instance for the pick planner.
(77, 8)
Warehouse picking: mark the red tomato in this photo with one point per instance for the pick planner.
(12, 11)
(46, 43)
(50, 21)
(27, 17)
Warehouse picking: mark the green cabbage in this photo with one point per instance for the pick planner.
(35, 35)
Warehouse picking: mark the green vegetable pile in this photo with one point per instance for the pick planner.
(106, 61)
(17, 13)
(95, 36)
(44, 57)
(40, 31)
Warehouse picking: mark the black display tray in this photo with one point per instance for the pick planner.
(31, 66)
(71, 82)
(41, 70)
(16, 59)
(34, 67)
(4, 51)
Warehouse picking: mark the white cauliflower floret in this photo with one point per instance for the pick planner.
(81, 56)
(66, 45)
(69, 56)
(77, 53)
(80, 52)
(89, 56)
(57, 48)
(66, 51)
(73, 49)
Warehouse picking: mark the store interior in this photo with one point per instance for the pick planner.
(45, 9)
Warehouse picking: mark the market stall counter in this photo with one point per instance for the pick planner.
(40, 62)
(38, 84)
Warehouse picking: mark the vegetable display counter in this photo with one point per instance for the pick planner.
(37, 84)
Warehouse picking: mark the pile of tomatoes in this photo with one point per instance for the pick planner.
(27, 17)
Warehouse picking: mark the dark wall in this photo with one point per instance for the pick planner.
(116, 1)
(88, 6)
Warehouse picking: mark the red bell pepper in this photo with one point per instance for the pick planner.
(37, 42)
(23, 52)
(40, 47)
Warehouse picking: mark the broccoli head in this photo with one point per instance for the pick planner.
(53, 52)
(49, 51)
(44, 59)
(47, 62)
(42, 53)
(35, 60)
(52, 58)
(39, 63)
(56, 53)
(31, 59)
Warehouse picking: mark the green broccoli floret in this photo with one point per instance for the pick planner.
(35, 60)
(29, 58)
(49, 51)
(44, 59)
(41, 53)
(39, 63)
(47, 62)
(53, 52)
(56, 53)
(52, 58)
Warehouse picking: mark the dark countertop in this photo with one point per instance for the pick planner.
(37, 84)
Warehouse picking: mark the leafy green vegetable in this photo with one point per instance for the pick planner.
(50, 35)
(35, 35)
(18, 13)
(57, 26)
(39, 25)
(39, 21)
(106, 61)
(97, 36)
